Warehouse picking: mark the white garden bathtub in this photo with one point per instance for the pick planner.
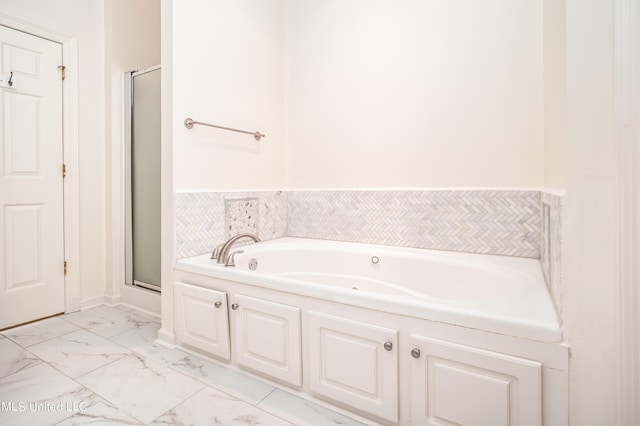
(498, 294)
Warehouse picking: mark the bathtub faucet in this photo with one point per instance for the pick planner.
(221, 253)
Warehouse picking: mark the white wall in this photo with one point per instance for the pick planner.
(228, 69)
(414, 93)
(85, 20)
(135, 34)
(581, 155)
(378, 94)
(591, 256)
(555, 94)
(132, 42)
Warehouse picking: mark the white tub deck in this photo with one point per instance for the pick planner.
(498, 294)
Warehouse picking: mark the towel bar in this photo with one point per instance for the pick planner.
(189, 123)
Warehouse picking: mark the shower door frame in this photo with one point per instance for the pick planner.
(128, 211)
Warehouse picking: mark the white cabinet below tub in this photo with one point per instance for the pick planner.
(202, 319)
(456, 384)
(267, 338)
(354, 363)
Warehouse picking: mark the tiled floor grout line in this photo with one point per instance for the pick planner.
(42, 361)
(219, 389)
(266, 396)
(34, 344)
(177, 404)
(74, 379)
(130, 352)
(143, 357)
(168, 364)
(138, 345)
(52, 365)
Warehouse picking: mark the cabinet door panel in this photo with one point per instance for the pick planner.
(267, 338)
(349, 364)
(202, 319)
(454, 384)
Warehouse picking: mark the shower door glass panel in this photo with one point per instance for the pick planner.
(145, 178)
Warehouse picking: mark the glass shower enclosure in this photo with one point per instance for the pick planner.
(142, 178)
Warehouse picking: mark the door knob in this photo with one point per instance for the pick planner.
(217, 304)
(388, 346)
(235, 306)
(415, 352)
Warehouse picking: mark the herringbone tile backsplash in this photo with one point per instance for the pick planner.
(501, 222)
(492, 222)
(201, 222)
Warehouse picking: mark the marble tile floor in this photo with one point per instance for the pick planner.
(101, 367)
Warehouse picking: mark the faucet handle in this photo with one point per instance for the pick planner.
(231, 259)
(217, 251)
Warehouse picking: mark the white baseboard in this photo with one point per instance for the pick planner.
(142, 299)
(112, 300)
(166, 338)
(92, 302)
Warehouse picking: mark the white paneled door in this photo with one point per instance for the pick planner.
(31, 186)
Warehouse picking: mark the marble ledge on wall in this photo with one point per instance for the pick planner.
(551, 242)
(504, 222)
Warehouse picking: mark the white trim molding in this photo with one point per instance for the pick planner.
(627, 92)
(166, 334)
(71, 158)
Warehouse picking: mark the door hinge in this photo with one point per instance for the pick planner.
(65, 267)
(64, 170)
(62, 68)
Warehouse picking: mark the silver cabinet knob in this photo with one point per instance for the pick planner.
(388, 346)
(217, 304)
(415, 352)
(235, 306)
